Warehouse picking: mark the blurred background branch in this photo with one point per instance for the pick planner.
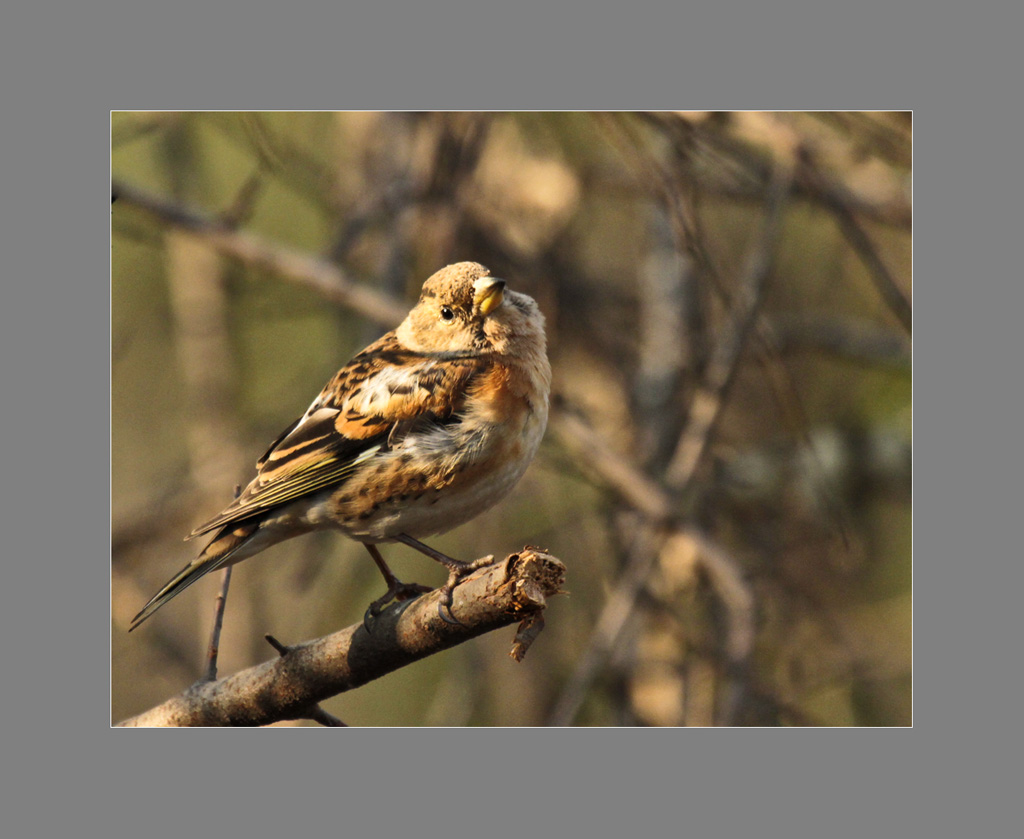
(727, 474)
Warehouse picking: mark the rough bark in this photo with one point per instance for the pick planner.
(291, 685)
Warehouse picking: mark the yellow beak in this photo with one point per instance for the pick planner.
(489, 294)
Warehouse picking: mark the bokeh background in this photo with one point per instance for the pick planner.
(727, 471)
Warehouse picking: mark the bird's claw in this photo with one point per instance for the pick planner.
(445, 605)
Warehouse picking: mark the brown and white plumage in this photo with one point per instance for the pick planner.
(423, 430)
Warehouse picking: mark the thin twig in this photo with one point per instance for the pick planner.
(218, 621)
(858, 341)
(859, 240)
(395, 195)
(326, 719)
(874, 133)
(218, 616)
(758, 170)
(721, 370)
(678, 202)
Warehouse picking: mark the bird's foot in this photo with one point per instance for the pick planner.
(397, 591)
(456, 571)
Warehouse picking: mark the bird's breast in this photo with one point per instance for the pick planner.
(443, 475)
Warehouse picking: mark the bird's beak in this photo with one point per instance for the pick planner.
(489, 294)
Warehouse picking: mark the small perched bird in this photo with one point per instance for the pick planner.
(420, 432)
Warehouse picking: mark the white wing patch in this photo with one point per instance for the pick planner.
(374, 395)
(314, 413)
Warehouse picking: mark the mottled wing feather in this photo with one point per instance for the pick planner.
(304, 460)
(382, 393)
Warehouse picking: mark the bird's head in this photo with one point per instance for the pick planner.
(463, 310)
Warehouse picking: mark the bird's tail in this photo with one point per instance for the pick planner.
(223, 550)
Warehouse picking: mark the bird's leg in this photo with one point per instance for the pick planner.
(397, 590)
(456, 571)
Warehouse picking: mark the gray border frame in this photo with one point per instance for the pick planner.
(69, 68)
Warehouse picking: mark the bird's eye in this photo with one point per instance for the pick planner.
(446, 313)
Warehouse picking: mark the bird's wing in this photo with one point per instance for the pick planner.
(383, 390)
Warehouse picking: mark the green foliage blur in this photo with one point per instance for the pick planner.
(639, 235)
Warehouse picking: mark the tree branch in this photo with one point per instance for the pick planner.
(859, 341)
(297, 266)
(709, 400)
(885, 283)
(291, 686)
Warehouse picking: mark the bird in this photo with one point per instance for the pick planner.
(426, 428)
